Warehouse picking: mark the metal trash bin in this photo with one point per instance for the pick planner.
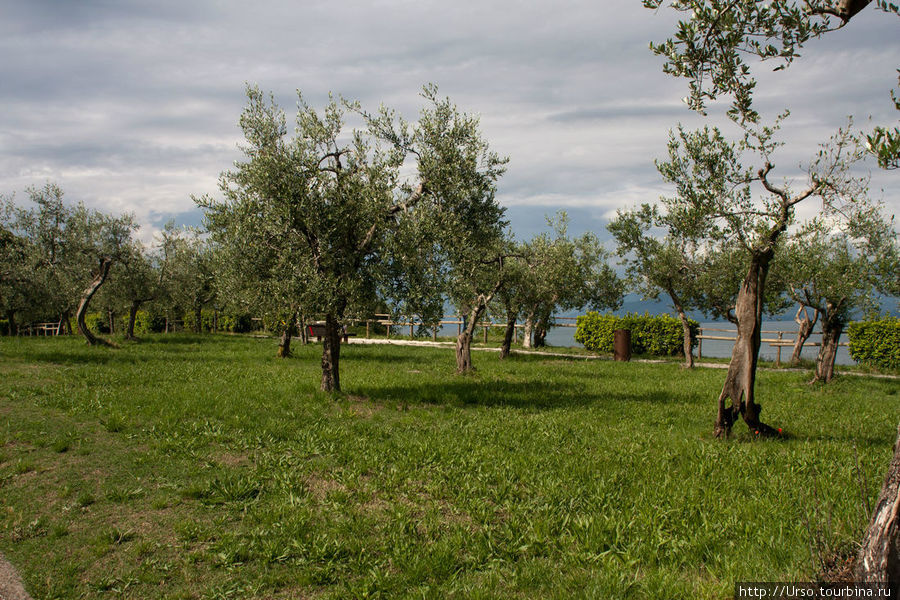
(622, 344)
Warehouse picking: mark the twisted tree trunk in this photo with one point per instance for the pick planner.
(879, 557)
(331, 355)
(832, 328)
(86, 295)
(806, 328)
(284, 344)
(66, 323)
(688, 346)
(464, 341)
(132, 317)
(529, 330)
(540, 336)
(13, 326)
(508, 335)
(741, 378)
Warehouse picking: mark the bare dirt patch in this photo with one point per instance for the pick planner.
(362, 406)
(11, 587)
(319, 487)
(229, 459)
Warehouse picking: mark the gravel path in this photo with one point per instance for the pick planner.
(707, 365)
(10, 584)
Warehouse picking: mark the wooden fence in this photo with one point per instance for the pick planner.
(782, 339)
(778, 342)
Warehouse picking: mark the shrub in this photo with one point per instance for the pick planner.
(658, 335)
(4, 327)
(240, 323)
(144, 322)
(236, 323)
(97, 322)
(876, 342)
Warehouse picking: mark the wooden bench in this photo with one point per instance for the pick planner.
(318, 330)
(45, 328)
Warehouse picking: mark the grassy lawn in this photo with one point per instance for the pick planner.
(203, 467)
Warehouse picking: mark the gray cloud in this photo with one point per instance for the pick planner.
(134, 106)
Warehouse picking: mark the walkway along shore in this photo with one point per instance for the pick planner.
(707, 365)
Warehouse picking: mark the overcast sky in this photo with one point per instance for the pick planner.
(133, 106)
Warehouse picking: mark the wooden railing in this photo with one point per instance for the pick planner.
(43, 329)
(778, 343)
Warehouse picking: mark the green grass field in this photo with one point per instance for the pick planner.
(204, 467)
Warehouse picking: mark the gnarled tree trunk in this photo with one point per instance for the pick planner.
(86, 295)
(741, 378)
(540, 335)
(509, 333)
(688, 346)
(284, 345)
(529, 331)
(805, 330)
(464, 341)
(688, 340)
(66, 328)
(13, 326)
(132, 317)
(331, 355)
(879, 557)
(832, 327)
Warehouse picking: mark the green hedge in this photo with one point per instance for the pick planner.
(234, 323)
(876, 342)
(97, 322)
(657, 335)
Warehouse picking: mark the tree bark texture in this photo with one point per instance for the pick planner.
(13, 326)
(685, 328)
(132, 317)
(284, 345)
(464, 342)
(66, 323)
(529, 330)
(86, 295)
(688, 340)
(741, 378)
(540, 336)
(198, 319)
(508, 335)
(832, 328)
(806, 326)
(879, 556)
(111, 316)
(331, 355)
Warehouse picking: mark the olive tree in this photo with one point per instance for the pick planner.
(562, 274)
(659, 264)
(136, 281)
(317, 211)
(456, 222)
(188, 275)
(715, 44)
(839, 268)
(720, 200)
(71, 250)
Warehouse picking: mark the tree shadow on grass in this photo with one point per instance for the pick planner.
(88, 357)
(470, 392)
